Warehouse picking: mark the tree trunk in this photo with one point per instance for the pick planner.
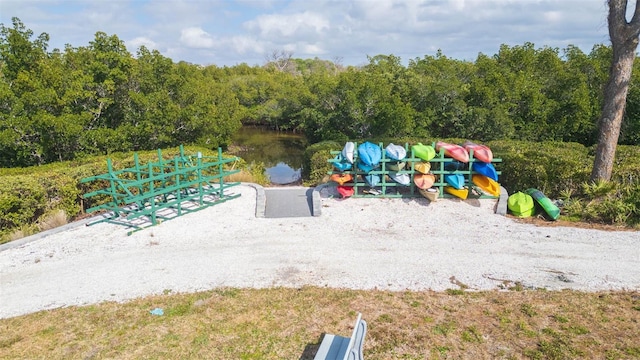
(624, 41)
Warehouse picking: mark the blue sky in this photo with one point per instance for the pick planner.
(226, 32)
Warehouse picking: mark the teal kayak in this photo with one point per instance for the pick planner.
(455, 180)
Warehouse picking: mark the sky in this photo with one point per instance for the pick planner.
(231, 32)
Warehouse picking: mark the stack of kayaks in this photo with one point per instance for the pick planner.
(345, 163)
(468, 169)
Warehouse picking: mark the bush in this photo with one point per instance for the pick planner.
(552, 167)
(22, 201)
(308, 167)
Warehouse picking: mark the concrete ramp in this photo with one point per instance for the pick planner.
(288, 201)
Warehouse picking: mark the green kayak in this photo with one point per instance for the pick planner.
(550, 209)
(521, 204)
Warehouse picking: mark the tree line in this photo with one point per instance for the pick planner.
(62, 104)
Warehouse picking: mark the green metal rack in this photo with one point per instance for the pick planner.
(391, 189)
(161, 190)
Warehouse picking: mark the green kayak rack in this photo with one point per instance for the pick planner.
(391, 189)
(146, 194)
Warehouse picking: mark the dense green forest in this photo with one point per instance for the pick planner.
(96, 99)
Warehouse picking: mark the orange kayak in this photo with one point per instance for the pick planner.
(487, 184)
(459, 193)
(341, 178)
(453, 151)
(424, 181)
(480, 152)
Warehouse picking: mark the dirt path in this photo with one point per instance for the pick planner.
(394, 244)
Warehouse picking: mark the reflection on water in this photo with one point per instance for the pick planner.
(280, 152)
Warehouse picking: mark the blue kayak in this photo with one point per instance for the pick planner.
(340, 163)
(364, 167)
(369, 154)
(455, 180)
(486, 169)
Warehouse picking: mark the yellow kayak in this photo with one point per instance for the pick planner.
(487, 184)
(422, 167)
(460, 193)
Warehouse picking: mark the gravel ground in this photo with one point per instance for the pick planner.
(392, 244)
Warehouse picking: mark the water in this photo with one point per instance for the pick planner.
(281, 152)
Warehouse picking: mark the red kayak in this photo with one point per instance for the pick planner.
(453, 151)
(480, 152)
(345, 191)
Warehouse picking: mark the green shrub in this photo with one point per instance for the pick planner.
(552, 167)
(626, 167)
(307, 166)
(22, 201)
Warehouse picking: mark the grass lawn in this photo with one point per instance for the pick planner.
(284, 323)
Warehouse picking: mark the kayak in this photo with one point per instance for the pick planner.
(431, 194)
(424, 152)
(396, 165)
(521, 204)
(395, 152)
(480, 152)
(486, 184)
(459, 193)
(486, 169)
(345, 191)
(455, 180)
(454, 165)
(424, 181)
(372, 179)
(400, 178)
(340, 164)
(422, 167)
(453, 151)
(552, 211)
(348, 151)
(364, 167)
(369, 154)
(341, 178)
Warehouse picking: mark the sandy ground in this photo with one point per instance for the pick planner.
(393, 244)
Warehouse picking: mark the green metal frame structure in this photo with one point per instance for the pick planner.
(438, 164)
(142, 195)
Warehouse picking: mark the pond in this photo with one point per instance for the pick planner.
(280, 152)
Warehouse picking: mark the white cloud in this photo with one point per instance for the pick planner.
(289, 24)
(135, 43)
(195, 37)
